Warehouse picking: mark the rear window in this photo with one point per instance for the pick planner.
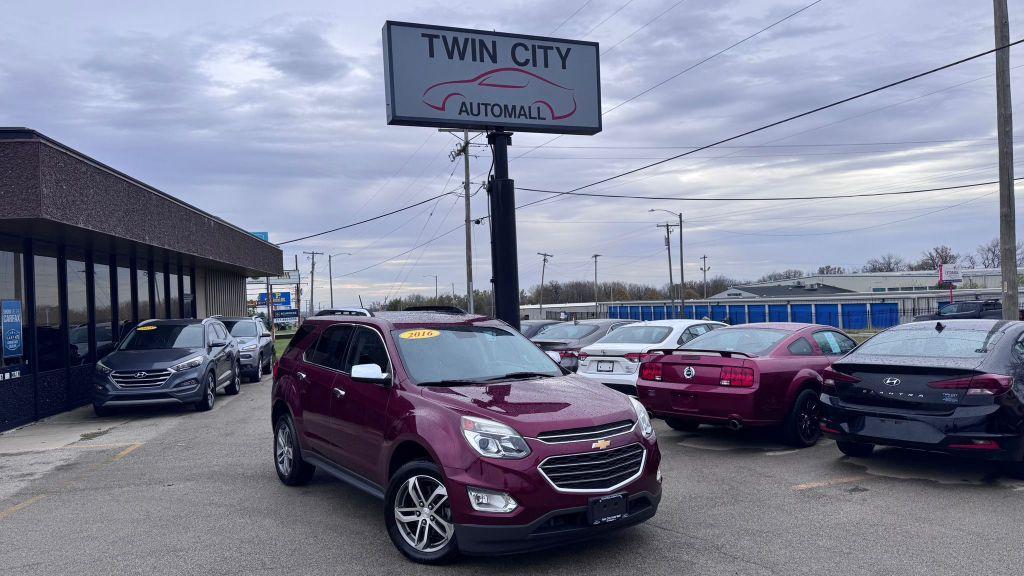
(637, 335)
(566, 331)
(752, 341)
(951, 342)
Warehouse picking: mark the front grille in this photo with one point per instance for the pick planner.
(140, 378)
(595, 471)
(580, 434)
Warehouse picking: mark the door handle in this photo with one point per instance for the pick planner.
(301, 375)
(338, 393)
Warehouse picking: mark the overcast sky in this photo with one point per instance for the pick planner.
(274, 120)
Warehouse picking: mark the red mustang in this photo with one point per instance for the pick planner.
(485, 88)
(765, 374)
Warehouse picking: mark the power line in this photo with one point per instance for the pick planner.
(607, 18)
(566, 21)
(645, 25)
(370, 219)
(575, 191)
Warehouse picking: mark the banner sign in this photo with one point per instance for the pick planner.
(10, 313)
(285, 313)
(474, 79)
(280, 299)
(950, 274)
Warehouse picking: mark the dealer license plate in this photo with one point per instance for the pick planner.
(607, 509)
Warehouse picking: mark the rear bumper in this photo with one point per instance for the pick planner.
(625, 383)
(556, 528)
(704, 403)
(974, 431)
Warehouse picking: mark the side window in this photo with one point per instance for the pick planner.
(330, 347)
(211, 334)
(949, 310)
(833, 343)
(222, 332)
(260, 328)
(366, 348)
(300, 336)
(801, 347)
(1018, 348)
(692, 332)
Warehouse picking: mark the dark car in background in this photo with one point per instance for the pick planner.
(952, 386)
(563, 341)
(477, 442)
(168, 362)
(992, 309)
(761, 375)
(530, 328)
(255, 345)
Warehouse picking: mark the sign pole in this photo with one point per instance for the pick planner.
(504, 257)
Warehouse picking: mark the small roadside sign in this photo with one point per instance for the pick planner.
(950, 274)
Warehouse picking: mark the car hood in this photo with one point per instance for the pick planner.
(147, 359)
(243, 340)
(538, 405)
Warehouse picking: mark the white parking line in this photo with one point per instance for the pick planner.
(781, 452)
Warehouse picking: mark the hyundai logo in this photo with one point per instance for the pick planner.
(140, 374)
(892, 381)
(689, 372)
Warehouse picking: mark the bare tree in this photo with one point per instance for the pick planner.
(784, 275)
(935, 257)
(886, 263)
(830, 269)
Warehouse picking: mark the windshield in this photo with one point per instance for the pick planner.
(241, 328)
(164, 336)
(753, 341)
(950, 342)
(469, 353)
(637, 335)
(566, 331)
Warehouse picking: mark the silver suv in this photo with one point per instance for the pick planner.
(255, 345)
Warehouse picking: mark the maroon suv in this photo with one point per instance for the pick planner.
(476, 440)
(764, 374)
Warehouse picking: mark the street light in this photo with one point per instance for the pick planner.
(330, 272)
(682, 273)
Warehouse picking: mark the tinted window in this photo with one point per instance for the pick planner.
(637, 334)
(567, 331)
(949, 310)
(300, 337)
(833, 343)
(366, 348)
(125, 310)
(78, 310)
(241, 328)
(164, 336)
(924, 340)
(222, 333)
(49, 340)
(330, 347)
(801, 347)
(692, 332)
(992, 306)
(103, 310)
(745, 340)
(142, 284)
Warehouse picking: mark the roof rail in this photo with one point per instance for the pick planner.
(344, 312)
(441, 309)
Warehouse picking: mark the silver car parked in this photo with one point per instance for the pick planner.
(563, 341)
(255, 345)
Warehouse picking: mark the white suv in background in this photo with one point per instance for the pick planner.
(614, 359)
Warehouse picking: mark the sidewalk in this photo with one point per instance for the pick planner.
(77, 425)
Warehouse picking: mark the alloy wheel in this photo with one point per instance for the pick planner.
(423, 513)
(284, 453)
(259, 368)
(211, 390)
(808, 420)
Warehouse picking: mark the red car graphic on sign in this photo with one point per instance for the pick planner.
(494, 84)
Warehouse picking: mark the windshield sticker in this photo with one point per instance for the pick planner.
(145, 328)
(418, 334)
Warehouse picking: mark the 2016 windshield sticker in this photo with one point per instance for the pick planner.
(419, 334)
(144, 328)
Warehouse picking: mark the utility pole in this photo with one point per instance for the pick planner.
(543, 267)
(1004, 117)
(434, 276)
(463, 151)
(705, 269)
(682, 267)
(330, 272)
(597, 305)
(312, 276)
(298, 290)
(668, 249)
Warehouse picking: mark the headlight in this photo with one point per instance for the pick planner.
(188, 364)
(494, 440)
(248, 347)
(642, 418)
(103, 368)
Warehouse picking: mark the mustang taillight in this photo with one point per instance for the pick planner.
(737, 377)
(650, 371)
(991, 384)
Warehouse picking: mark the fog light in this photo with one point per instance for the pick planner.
(489, 501)
(190, 383)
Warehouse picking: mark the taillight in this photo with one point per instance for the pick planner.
(274, 371)
(563, 354)
(831, 377)
(583, 355)
(650, 371)
(984, 445)
(737, 377)
(633, 357)
(990, 384)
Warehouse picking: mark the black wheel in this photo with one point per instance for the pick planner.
(855, 449)
(418, 514)
(270, 363)
(236, 380)
(291, 468)
(802, 427)
(102, 411)
(682, 425)
(209, 394)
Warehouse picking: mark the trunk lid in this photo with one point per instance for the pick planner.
(686, 367)
(904, 386)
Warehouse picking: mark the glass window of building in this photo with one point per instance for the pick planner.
(142, 283)
(159, 291)
(50, 344)
(78, 309)
(102, 303)
(125, 310)
(187, 299)
(12, 287)
(173, 296)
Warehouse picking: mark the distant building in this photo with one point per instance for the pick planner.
(916, 281)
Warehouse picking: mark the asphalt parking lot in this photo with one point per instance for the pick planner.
(172, 491)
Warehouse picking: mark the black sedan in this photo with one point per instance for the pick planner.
(951, 386)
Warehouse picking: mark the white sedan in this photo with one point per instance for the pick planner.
(613, 360)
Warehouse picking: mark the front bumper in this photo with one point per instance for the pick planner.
(180, 388)
(975, 431)
(248, 360)
(556, 528)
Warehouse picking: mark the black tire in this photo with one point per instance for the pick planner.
(802, 427)
(257, 374)
(236, 380)
(396, 492)
(682, 425)
(298, 471)
(855, 449)
(102, 411)
(209, 394)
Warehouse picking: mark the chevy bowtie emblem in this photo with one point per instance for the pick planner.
(601, 444)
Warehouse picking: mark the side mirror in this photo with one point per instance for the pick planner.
(265, 335)
(218, 343)
(369, 373)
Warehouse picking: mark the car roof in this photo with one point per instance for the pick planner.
(963, 323)
(598, 321)
(787, 326)
(174, 321)
(393, 320)
(535, 322)
(234, 318)
(675, 323)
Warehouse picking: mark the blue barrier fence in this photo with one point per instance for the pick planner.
(853, 316)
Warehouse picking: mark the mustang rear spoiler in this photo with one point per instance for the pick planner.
(680, 351)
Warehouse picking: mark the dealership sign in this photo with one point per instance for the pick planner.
(10, 314)
(950, 274)
(280, 299)
(474, 79)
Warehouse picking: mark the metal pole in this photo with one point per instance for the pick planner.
(330, 277)
(469, 226)
(671, 283)
(1007, 216)
(312, 277)
(270, 314)
(504, 258)
(597, 305)
(682, 272)
(705, 269)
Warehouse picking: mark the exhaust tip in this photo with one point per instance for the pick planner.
(734, 424)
